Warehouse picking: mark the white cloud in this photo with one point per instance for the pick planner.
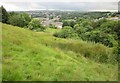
(11, 7)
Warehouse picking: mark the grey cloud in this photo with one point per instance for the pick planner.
(83, 6)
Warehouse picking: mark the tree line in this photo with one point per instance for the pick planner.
(23, 20)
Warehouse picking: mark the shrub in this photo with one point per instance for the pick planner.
(98, 36)
(98, 23)
(108, 27)
(35, 25)
(20, 20)
(79, 29)
(16, 20)
(52, 26)
(68, 23)
(66, 32)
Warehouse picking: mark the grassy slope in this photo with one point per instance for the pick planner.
(0, 53)
(29, 55)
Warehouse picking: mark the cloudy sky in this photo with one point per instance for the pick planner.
(82, 5)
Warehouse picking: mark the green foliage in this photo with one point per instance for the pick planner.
(52, 26)
(13, 13)
(68, 23)
(66, 32)
(80, 29)
(33, 56)
(51, 17)
(101, 31)
(101, 37)
(4, 15)
(35, 25)
(116, 28)
(117, 48)
(108, 33)
(27, 18)
(84, 24)
(108, 26)
(16, 20)
(20, 20)
(98, 23)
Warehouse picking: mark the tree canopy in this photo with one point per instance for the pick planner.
(20, 20)
(35, 25)
(4, 14)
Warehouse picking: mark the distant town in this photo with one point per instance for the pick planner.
(57, 18)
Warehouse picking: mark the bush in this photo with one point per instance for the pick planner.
(83, 25)
(66, 32)
(35, 25)
(79, 29)
(20, 20)
(109, 26)
(98, 23)
(98, 36)
(16, 20)
(52, 26)
(68, 23)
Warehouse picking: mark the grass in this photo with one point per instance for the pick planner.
(51, 30)
(0, 53)
(29, 55)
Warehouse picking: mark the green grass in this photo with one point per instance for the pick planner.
(29, 55)
(51, 31)
(0, 53)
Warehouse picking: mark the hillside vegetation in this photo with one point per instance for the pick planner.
(29, 55)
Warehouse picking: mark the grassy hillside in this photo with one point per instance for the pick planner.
(29, 55)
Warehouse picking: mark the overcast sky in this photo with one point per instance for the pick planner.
(82, 5)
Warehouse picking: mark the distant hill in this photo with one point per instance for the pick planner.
(29, 55)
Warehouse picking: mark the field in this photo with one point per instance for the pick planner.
(29, 55)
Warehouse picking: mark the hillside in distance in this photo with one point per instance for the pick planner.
(29, 55)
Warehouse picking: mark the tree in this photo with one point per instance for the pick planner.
(98, 23)
(4, 14)
(100, 37)
(17, 20)
(69, 23)
(52, 26)
(12, 13)
(79, 29)
(65, 23)
(35, 25)
(20, 20)
(66, 32)
(27, 18)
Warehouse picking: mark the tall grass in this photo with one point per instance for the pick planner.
(90, 50)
